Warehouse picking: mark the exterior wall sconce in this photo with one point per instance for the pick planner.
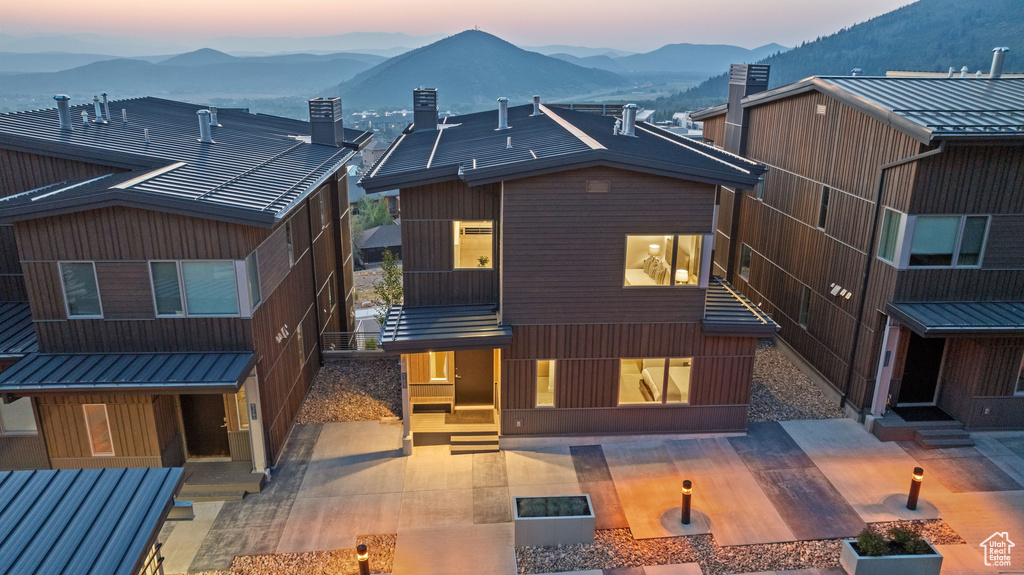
(915, 488)
(282, 334)
(687, 493)
(363, 556)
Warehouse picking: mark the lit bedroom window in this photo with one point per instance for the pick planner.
(474, 245)
(654, 381)
(438, 365)
(546, 383)
(665, 260)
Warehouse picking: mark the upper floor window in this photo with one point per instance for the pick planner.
(300, 345)
(546, 383)
(167, 288)
(823, 208)
(805, 306)
(17, 418)
(97, 425)
(889, 238)
(745, 253)
(289, 244)
(663, 260)
(948, 241)
(1019, 390)
(474, 244)
(81, 293)
(323, 210)
(654, 380)
(759, 190)
(252, 272)
(211, 287)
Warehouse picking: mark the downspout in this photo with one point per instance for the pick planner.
(871, 259)
(312, 261)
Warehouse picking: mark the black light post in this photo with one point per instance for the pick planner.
(687, 493)
(915, 488)
(363, 556)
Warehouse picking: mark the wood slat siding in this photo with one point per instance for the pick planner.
(23, 171)
(959, 285)
(986, 180)
(714, 129)
(978, 368)
(168, 429)
(272, 260)
(12, 282)
(125, 290)
(418, 366)
(1004, 248)
(239, 445)
(105, 462)
(163, 334)
(62, 422)
(428, 214)
(564, 248)
(43, 281)
(19, 452)
(624, 420)
(1003, 413)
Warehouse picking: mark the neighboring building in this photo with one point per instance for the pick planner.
(374, 150)
(887, 236)
(356, 193)
(85, 520)
(374, 241)
(558, 276)
(178, 278)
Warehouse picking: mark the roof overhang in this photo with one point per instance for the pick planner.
(437, 328)
(728, 313)
(64, 373)
(711, 112)
(960, 319)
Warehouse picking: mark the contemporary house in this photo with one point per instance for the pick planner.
(179, 273)
(373, 242)
(557, 275)
(886, 237)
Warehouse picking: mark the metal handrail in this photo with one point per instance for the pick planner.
(350, 341)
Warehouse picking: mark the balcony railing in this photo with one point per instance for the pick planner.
(350, 341)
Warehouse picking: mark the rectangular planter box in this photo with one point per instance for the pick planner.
(550, 531)
(855, 564)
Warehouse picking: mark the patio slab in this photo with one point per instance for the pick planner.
(462, 549)
(422, 509)
(546, 465)
(187, 537)
(320, 523)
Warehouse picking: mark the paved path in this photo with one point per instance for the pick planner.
(780, 482)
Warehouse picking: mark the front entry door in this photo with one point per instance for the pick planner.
(921, 371)
(206, 431)
(474, 377)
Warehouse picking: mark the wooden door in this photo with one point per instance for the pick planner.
(206, 431)
(474, 377)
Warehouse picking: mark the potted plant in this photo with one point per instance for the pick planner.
(903, 552)
(549, 521)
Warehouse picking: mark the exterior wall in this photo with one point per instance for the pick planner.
(714, 129)
(980, 373)
(19, 452)
(427, 227)
(564, 248)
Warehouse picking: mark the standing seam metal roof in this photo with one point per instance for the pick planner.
(17, 334)
(940, 319)
(82, 521)
(728, 312)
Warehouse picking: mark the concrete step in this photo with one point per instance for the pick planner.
(474, 448)
(181, 510)
(474, 439)
(223, 496)
(938, 438)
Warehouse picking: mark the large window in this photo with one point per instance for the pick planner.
(890, 235)
(654, 381)
(438, 366)
(80, 290)
(805, 306)
(546, 383)
(97, 424)
(745, 253)
(474, 245)
(662, 260)
(17, 418)
(948, 241)
(211, 287)
(166, 289)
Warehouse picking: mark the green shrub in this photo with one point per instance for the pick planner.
(370, 345)
(871, 544)
(907, 542)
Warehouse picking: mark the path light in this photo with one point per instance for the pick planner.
(364, 560)
(687, 493)
(915, 488)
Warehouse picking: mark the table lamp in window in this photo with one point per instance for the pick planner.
(682, 277)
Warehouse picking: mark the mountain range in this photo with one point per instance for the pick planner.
(690, 59)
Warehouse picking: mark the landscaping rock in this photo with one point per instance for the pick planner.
(782, 392)
(354, 390)
(334, 562)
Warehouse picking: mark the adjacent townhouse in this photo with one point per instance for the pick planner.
(557, 276)
(886, 236)
(179, 264)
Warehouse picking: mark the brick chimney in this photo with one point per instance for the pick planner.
(325, 122)
(744, 80)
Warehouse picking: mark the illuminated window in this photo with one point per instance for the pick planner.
(546, 383)
(439, 366)
(662, 260)
(243, 408)
(474, 245)
(97, 424)
(654, 381)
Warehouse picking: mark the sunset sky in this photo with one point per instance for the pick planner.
(635, 25)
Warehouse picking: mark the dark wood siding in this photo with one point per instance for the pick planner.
(427, 246)
(986, 180)
(125, 289)
(1003, 249)
(710, 418)
(12, 283)
(975, 368)
(168, 430)
(714, 129)
(22, 171)
(564, 249)
(163, 334)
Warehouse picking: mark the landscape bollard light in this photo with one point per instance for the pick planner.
(915, 488)
(364, 560)
(687, 492)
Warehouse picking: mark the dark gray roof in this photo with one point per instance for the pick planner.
(471, 149)
(728, 312)
(82, 521)
(975, 318)
(419, 329)
(924, 108)
(200, 372)
(258, 168)
(709, 112)
(17, 334)
(381, 237)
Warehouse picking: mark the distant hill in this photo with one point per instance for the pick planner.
(472, 69)
(695, 58)
(601, 62)
(55, 61)
(929, 35)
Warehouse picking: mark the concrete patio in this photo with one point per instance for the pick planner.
(781, 482)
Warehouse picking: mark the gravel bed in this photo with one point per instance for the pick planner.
(354, 390)
(936, 531)
(334, 562)
(782, 392)
(611, 548)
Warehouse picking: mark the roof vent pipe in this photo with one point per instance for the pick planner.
(106, 107)
(536, 106)
(964, 71)
(508, 143)
(629, 120)
(213, 116)
(951, 72)
(99, 111)
(502, 113)
(124, 115)
(85, 118)
(64, 111)
(998, 55)
(856, 72)
(205, 135)
(979, 75)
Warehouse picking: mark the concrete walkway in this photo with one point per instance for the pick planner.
(452, 514)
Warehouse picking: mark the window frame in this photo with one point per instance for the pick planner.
(805, 306)
(456, 224)
(759, 188)
(289, 243)
(181, 289)
(238, 295)
(664, 386)
(552, 382)
(88, 430)
(4, 432)
(432, 365)
(703, 255)
(897, 248)
(64, 289)
(823, 203)
(744, 247)
(957, 244)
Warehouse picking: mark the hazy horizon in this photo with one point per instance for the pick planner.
(653, 23)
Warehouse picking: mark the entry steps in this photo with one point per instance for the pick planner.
(228, 485)
(463, 444)
(943, 437)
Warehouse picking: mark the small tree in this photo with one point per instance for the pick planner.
(388, 288)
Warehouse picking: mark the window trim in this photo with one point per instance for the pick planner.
(455, 264)
(238, 293)
(911, 228)
(64, 291)
(901, 229)
(664, 387)
(181, 290)
(432, 365)
(552, 382)
(88, 431)
(703, 269)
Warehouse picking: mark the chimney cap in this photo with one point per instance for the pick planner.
(1001, 49)
(62, 97)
